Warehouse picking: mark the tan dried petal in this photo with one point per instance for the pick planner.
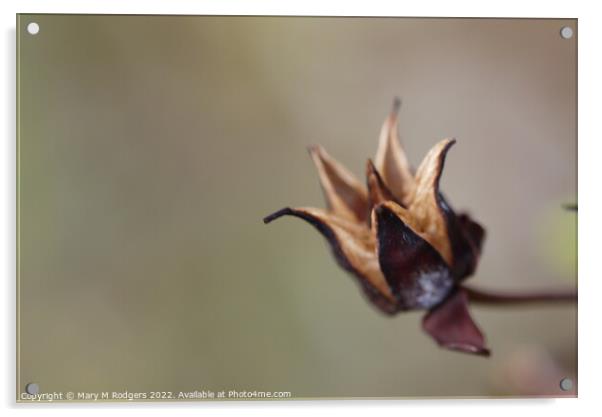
(378, 192)
(345, 196)
(353, 244)
(391, 161)
(425, 206)
(404, 214)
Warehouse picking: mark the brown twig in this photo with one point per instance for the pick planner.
(494, 297)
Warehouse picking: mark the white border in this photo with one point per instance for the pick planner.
(590, 139)
(310, 8)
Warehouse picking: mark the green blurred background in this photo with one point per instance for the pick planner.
(151, 148)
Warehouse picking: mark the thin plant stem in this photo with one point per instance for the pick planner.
(502, 297)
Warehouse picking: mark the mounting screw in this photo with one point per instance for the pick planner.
(566, 32)
(566, 384)
(33, 28)
(32, 388)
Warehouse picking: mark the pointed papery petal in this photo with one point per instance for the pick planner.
(473, 230)
(415, 271)
(391, 161)
(466, 238)
(354, 248)
(378, 192)
(426, 205)
(345, 196)
(452, 327)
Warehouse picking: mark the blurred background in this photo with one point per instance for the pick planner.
(151, 148)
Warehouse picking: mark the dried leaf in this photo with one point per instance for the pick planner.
(452, 327)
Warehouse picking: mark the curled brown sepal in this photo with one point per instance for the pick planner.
(353, 249)
(452, 327)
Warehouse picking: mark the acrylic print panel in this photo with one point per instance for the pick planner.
(151, 148)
